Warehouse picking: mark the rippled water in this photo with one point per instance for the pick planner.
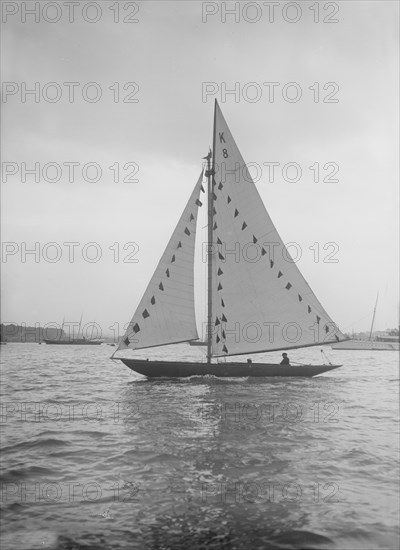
(95, 456)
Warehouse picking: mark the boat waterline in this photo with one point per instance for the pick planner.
(184, 369)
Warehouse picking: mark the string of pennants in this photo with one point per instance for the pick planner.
(288, 286)
(161, 287)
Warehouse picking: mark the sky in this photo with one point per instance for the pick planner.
(141, 108)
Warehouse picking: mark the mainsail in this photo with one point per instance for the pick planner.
(166, 313)
(260, 300)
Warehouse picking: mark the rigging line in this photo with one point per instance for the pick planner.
(356, 321)
(325, 356)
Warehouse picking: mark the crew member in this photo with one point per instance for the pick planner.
(285, 360)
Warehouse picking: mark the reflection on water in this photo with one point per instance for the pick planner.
(95, 456)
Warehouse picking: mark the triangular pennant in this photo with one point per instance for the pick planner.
(229, 199)
(160, 286)
(215, 225)
(220, 256)
(191, 217)
(224, 319)
(203, 191)
(309, 309)
(271, 263)
(288, 286)
(179, 245)
(217, 321)
(217, 339)
(167, 272)
(280, 274)
(263, 251)
(220, 186)
(126, 341)
(244, 226)
(220, 272)
(222, 303)
(187, 231)
(300, 298)
(153, 301)
(198, 202)
(254, 239)
(219, 287)
(145, 314)
(225, 349)
(236, 213)
(173, 259)
(136, 328)
(219, 241)
(318, 319)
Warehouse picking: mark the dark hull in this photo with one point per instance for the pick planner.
(73, 342)
(181, 369)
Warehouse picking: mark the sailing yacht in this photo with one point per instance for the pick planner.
(72, 341)
(384, 342)
(257, 299)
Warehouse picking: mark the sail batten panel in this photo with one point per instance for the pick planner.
(260, 283)
(166, 313)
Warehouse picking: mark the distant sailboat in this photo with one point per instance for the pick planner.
(73, 341)
(386, 342)
(257, 301)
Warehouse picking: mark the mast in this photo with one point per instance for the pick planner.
(373, 317)
(210, 176)
(80, 323)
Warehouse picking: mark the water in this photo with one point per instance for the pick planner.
(95, 456)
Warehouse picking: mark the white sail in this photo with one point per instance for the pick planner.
(166, 313)
(260, 300)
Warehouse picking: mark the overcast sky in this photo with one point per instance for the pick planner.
(165, 128)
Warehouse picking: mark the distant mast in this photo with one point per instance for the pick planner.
(373, 317)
